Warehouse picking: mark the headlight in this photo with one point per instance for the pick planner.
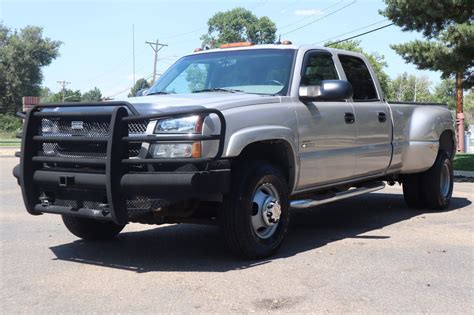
(190, 124)
(176, 150)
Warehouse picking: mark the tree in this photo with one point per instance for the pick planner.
(46, 96)
(411, 88)
(445, 92)
(450, 45)
(377, 61)
(196, 77)
(92, 96)
(22, 55)
(238, 25)
(139, 85)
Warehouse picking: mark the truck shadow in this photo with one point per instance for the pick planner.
(202, 249)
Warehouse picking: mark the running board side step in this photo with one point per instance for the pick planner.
(308, 203)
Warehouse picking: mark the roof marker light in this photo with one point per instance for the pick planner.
(239, 44)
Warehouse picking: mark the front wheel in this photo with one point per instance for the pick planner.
(89, 229)
(255, 215)
(433, 188)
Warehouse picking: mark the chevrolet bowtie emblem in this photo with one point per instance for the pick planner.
(77, 125)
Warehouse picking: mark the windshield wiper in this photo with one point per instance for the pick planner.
(158, 93)
(217, 90)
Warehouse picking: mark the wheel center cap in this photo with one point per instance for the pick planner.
(271, 211)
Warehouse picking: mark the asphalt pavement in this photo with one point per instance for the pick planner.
(366, 254)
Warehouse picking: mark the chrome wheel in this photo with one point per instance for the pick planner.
(266, 210)
(445, 180)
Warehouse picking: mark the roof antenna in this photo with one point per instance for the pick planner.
(279, 40)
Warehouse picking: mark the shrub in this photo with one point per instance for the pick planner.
(10, 123)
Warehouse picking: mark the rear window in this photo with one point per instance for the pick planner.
(359, 76)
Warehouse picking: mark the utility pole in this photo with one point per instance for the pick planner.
(156, 46)
(133, 51)
(460, 112)
(63, 87)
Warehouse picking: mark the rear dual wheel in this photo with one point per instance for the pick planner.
(433, 188)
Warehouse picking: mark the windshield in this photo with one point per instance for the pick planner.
(260, 71)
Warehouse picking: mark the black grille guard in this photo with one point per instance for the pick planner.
(117, 142)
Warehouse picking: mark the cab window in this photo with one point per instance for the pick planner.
(318, 66)
(359, 76)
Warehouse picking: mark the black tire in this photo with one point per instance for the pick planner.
(238, 208)
(412, 190)
(424, 190)
(438, 190)
(89, 229)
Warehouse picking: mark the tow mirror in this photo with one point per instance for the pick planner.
(142, 92)
(328, 90)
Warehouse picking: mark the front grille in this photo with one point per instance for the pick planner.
(72, 127)
(136, 207)
(87, 204)
(67, 127)
(137, 128)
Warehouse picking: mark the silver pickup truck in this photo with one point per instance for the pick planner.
(238, 137)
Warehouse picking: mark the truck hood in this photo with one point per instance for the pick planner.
(219, 100)
(155, 104)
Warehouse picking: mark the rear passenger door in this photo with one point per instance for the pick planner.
(372, 116)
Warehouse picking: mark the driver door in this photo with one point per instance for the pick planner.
(327, 129)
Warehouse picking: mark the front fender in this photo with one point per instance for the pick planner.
(243, 137)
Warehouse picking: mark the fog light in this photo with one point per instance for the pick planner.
(174, 150)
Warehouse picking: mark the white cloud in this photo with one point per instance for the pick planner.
(306, 12)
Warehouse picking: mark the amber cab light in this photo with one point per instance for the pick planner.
(197, 49)
(239, 44)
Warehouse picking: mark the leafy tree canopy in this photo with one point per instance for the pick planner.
(22, 55)
(445, 92)
(93, 95)
(238, 25)
(46, 96)
(428, 16)
(139, 85)
(448, 26)
(376, 60)
(411, 88)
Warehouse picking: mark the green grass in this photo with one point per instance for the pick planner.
(9, 143)
(9, 139)
(4, 135)
(464, 162)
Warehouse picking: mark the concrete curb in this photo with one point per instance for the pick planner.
(464, 173)
(8, 151)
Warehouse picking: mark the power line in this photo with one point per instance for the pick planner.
(312, 15)
(156, 46)
(362, 34)
(350, 32)
(321, 18)
(127, 89)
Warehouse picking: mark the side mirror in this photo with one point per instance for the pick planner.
(142, 92)
(328, 90)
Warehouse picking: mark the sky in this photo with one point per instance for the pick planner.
(97, 49)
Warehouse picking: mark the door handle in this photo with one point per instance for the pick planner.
(349, 118)
(382, 117)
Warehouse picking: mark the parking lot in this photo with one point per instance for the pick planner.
(367, 254)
